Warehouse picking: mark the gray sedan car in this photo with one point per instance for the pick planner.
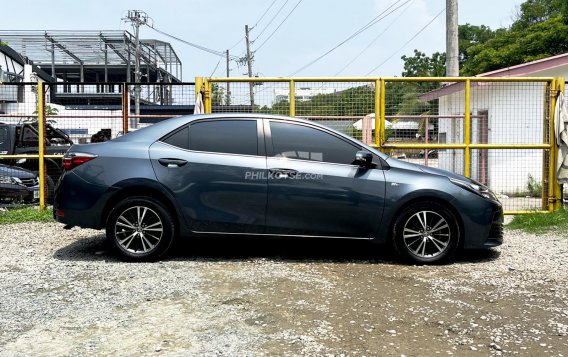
(18, 185)
(254, 174)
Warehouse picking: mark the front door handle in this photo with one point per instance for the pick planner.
(172, 162)
(283, 173)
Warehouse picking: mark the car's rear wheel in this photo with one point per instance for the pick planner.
(141, 229)
(426, 233)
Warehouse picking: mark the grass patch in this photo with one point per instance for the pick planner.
(540, 222)
(28, 214)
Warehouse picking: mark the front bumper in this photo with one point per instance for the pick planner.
(10, 193)
(482, 222)
(495, 236)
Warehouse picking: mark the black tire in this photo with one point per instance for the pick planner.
(140, 228)
(50, 193)
(426, 233)
(49, 189)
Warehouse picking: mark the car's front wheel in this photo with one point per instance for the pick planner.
(141, 229)
(426, 233)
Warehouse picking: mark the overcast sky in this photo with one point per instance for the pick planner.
(312, 29)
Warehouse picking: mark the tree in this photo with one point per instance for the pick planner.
(472, 35)
(516, 46)
(540, 30)
(421, 65)
(532, 12)
(217, 94)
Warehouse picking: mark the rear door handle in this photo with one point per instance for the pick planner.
(172, 162)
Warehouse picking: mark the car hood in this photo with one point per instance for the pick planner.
(14, 171)
(421, 168)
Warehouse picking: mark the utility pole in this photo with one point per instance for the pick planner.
(228, 100)
(137, 18)
(452, 50)
(452, 53)
(249, 64)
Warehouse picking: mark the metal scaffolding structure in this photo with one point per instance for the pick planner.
(95, 56)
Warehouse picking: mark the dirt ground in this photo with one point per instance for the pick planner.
(65, 293)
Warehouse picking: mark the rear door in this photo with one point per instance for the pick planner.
(313, 187)
(216, 169)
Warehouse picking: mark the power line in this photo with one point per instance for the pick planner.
(237, 43)
(407, 42)
(215, 69)
(375, 39)
(260, 19)
(271, 20)
(375, 20)
(199, 47)
(276, 29)
(265, 12)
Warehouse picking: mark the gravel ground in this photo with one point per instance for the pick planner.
(65, 293)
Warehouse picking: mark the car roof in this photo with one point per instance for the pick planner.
(158, 130)
(165, 126)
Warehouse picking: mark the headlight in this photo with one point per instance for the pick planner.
(477, 188)
(5, 179)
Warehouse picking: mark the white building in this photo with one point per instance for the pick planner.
(501, 113)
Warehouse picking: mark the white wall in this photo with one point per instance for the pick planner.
(515, 116)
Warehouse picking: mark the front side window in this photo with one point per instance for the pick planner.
(224, 136)
(305, 143)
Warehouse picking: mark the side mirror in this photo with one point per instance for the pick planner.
(363, 158)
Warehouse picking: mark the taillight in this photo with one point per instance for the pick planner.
(74, 159)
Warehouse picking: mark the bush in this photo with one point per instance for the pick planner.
(534, 187)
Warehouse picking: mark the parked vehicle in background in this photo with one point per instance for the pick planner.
(253, 174)
(18, 185)
(23, 139)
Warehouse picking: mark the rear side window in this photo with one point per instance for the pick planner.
(179, 138)
(305, 143)
(225, 136)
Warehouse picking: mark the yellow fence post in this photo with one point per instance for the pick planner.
(557, 188)
(553, 152)
(41, 139)
(198, 88)
(467, 130)
(207, 97)
(382, 111)
(377, 110)
(292, 98)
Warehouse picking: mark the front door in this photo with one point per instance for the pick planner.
(314, 190)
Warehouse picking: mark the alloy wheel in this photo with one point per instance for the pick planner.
(426, 234)
(138, 229)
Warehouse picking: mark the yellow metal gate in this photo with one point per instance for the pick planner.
(498, 131)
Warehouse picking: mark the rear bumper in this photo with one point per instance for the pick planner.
(78, 203)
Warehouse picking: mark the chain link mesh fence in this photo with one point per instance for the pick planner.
(503, 142)
(19, 168)
(424, 121)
